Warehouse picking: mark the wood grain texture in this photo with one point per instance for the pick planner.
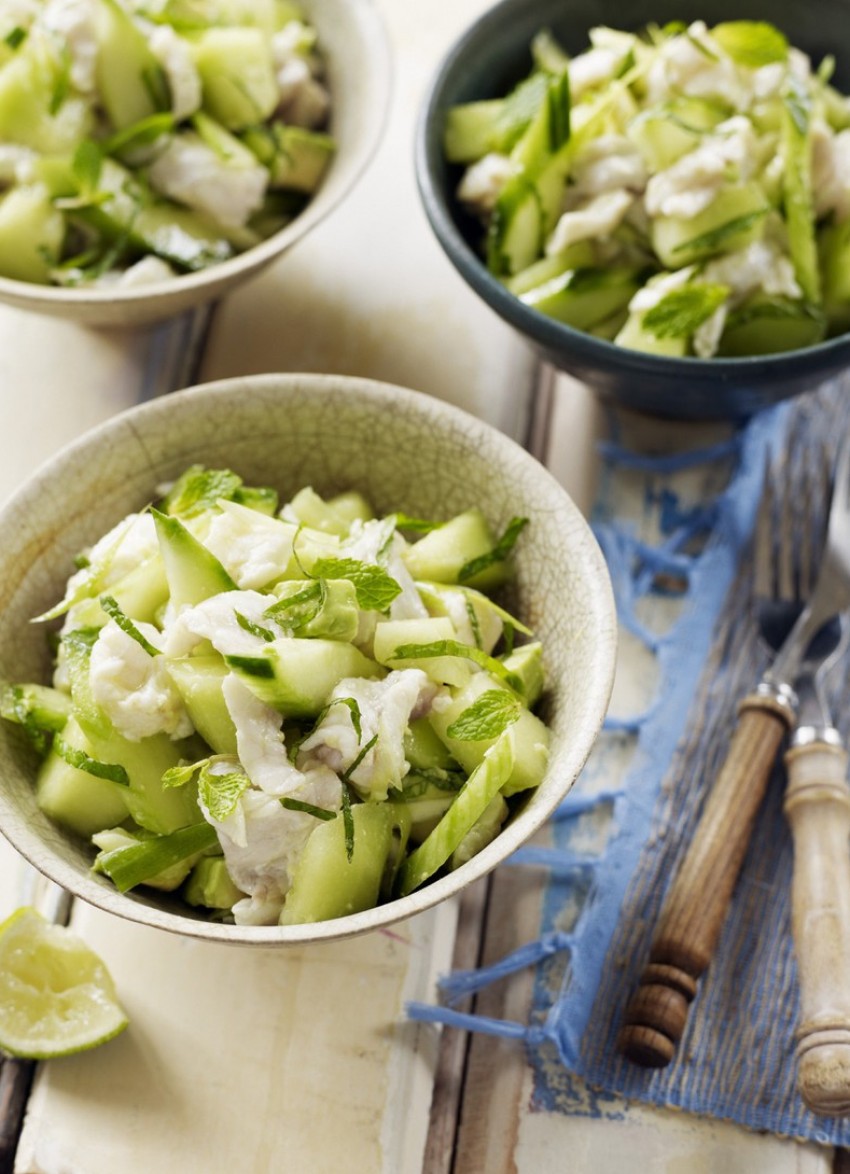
(698, 900)
(817, 805)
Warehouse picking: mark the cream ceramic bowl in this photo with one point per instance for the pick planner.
(404, 450)
(356, 54)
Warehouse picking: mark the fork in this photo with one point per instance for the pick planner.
(696, 905)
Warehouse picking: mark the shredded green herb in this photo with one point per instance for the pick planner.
(498, 554)
(309, 808)
(113, 610)
(113, 771)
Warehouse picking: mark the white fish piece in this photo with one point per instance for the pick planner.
(73, 23)
(694, 64)
(706, 337)
(483, 181)
(386, 708)
(215, 619)
(830, 170)
(593, 68)
(16, 163)
(175, 56)
(597, 217)
(262, 842)
(687, 187)
(762, 265)
(131, 542)
(144, 272)
(304, 100)
(252, 547)
(191, 172)
(605, 164)
(134, 688)
(649, 295)
(374, 542)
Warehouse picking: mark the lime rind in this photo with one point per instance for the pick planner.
(57, 997)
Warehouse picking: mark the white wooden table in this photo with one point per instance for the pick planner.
(265, 1060)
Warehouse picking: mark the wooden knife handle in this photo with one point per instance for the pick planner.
(697, 902)
(817, 805)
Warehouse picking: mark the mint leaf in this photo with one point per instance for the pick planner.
(348, 821)
(680, 312)
(198, 490)
(113, 610)
(255, 629)
(498, 554)
(180, 775)
(309, 808)
(112, 771)
(455, 648)
(15, 37)
(296, 611)
(220, 793)
(422, 779)
(375, 588)
(418, 525)
(751, 42)
(487, 717)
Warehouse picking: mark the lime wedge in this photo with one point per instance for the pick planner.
(56, 995)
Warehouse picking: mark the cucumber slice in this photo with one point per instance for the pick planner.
(472, 130)
(297, 159)
(178, 235)
(834, 254)
(766, 325)
(441, 555)
(392, 634)
(798, 201)
(130, 79)
(661, 138)
(192, 571)
(424, 750)
(635, 337)
(526, 663)
(297, 676)
(515, 233)
(199, 680)
(210, 886)
(33, 109)
(327, 882)
(580, 255)
(31, 234)
(529, 736)
(77, 800)
(584, 297)
(237, 75)
(734, 219)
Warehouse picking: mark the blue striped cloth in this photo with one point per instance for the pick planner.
(736, 1059)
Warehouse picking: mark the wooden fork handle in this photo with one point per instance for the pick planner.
(817, 805)
(697, 903)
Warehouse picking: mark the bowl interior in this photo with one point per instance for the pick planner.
(488, 59)
(356, 55)
(403, 450)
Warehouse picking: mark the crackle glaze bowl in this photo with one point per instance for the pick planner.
(406, 452)
(357, 66)
(491, 56)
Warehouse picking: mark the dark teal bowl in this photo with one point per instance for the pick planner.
(490, 57)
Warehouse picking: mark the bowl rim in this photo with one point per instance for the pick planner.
(549, 332)
(234, 269)
(379, 397)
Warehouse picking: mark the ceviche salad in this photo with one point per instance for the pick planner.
(288, 714)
